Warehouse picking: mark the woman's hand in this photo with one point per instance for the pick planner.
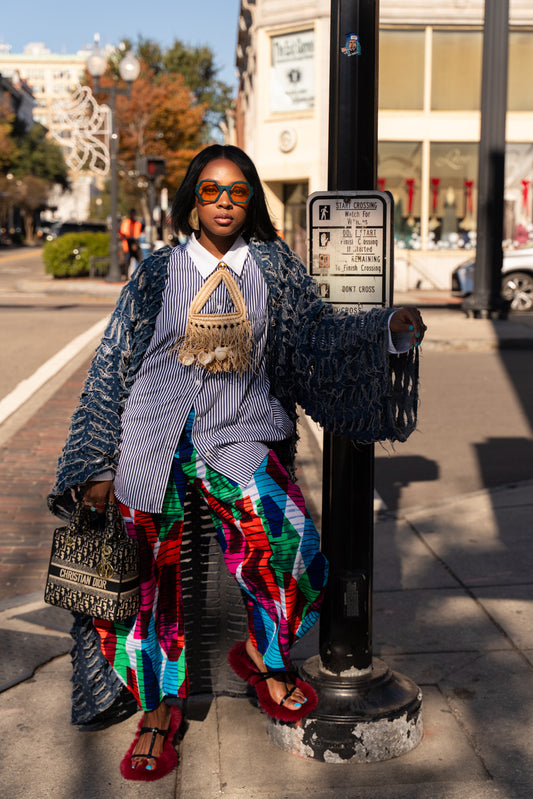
(408, 320)
(96, 494)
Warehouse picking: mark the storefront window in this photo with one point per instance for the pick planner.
(294, 221)
(456, 70)
(453, 195)
(400, 172)
(401, 69)
(520, 91)
(518, 203)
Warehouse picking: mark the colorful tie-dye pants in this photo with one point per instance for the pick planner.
(270, 546)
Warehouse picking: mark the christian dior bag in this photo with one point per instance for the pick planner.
(94, 571)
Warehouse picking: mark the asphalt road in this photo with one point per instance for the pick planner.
(34, 327)
(476, 412)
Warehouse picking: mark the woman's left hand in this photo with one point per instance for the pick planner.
(97, 493)
(408, 320)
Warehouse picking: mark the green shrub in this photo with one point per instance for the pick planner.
(68, 255)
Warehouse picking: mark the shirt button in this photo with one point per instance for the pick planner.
(198, 382)
(208, 453)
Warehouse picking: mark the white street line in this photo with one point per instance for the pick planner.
(26, 388)
(318, 434)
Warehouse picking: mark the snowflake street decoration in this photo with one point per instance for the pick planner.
(89, 125)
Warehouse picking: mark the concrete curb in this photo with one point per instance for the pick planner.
(449, 329)
(70, 286)
(491, 344)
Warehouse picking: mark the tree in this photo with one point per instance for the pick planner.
(30, 195)
(197, 66)
(8, 149)
(37, 166)
(171, 112)
(40, 157)
(159, 117)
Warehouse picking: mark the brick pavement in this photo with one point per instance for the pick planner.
(27, 467)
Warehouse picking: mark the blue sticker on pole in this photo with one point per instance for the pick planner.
(353, 45)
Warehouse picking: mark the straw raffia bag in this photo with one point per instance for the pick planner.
(217, 342)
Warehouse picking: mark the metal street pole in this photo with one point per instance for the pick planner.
(129, 68)
(151, 207)
(487, 298)
(348, 496)
(366, 712)
(114, 274)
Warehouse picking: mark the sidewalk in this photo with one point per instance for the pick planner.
(452, 611)
(449, 327)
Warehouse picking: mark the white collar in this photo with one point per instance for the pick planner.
(206, 263)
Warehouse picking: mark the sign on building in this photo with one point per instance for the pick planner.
(351, 247)
(292, 84)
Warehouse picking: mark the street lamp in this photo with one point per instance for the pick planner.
(129, 69)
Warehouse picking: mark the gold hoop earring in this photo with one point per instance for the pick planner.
(194, 220)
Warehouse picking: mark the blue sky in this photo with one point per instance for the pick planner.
(66, 27)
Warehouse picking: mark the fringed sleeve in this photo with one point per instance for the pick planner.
(335, 365)
(93, 439)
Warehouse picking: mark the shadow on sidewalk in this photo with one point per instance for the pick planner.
(453, 591)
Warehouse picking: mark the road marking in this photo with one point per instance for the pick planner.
(26, 388)
(318, 434)
(17, 256)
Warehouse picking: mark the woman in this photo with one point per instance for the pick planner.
(173, 400)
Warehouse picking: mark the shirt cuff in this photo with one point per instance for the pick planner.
(99, 477)
(398, 342)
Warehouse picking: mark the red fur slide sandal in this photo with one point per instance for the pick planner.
(245, 668)
(167, 760)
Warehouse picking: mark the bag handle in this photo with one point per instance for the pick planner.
(81, 521)
(114, 524)
(221, 275)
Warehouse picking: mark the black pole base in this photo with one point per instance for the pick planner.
(361, 719)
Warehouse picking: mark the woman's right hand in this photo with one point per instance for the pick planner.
(97, 493)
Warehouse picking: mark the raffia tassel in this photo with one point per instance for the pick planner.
(217, 342)
(217, 347)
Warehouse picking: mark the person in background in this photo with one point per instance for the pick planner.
(130, 233)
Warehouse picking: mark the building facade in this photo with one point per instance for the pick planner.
(20, 98)
(52, 79)
(430, 69)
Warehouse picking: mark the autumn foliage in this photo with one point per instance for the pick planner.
(160, 117)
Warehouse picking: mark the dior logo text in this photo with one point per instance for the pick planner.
(83, 579)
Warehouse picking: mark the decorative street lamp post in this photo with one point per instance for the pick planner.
(129, 69)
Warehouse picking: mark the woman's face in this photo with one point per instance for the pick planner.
(221, 221)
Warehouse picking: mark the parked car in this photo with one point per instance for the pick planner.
(60, 228)
(517, 278)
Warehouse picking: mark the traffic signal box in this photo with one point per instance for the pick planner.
(151, 166)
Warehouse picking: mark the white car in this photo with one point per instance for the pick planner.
(517, 278)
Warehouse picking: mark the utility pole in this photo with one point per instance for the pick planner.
(366, 712)
(486, 299)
